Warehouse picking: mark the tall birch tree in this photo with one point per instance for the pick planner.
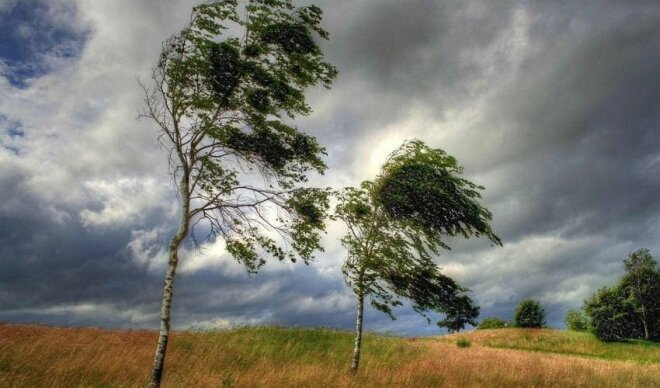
(396, 226)
(641, 286)
(224, 94)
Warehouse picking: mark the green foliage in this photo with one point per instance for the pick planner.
(463, 343)
(631, 309)
(221, 88)
(576, 320)
(422, 186)
(391, 244)
(641, 289)
(492, 323)
(459, 313)
(639, 261)
(611, 318)
(529, 314)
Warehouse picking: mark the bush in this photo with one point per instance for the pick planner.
(612, 318)
(492, 323)
(529, 314)
(576, 320)
(463, 342)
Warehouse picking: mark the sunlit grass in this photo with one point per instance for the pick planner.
(37, 356)
(567, 342)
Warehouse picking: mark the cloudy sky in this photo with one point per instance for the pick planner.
(553, 106)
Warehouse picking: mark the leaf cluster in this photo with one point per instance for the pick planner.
(612, 319)
(226, 89)
(529, 313)
(618, 313)
(395, 227)
(576, 320)
(423, 187)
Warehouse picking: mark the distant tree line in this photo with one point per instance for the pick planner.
(528, 314)
(628, 310)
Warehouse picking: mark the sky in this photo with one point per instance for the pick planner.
(553, 106)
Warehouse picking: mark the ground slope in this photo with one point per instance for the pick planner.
(32, 356)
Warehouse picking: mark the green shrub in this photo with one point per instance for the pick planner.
(576, 320)
(463, 342)
(529, 314)
(612, 318)
(492, 323)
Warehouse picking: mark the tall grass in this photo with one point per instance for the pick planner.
(37, 356)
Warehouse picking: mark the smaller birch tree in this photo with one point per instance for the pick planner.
(396, 226)
(641, 286)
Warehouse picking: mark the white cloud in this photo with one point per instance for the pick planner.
(147, 250)
(210, 256)
(99, 311)
(124, 201)
(335, 301)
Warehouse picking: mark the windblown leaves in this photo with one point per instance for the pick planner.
(422, 186)
(227, 88)
(396, 224)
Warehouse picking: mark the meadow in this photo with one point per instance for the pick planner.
(41, 356)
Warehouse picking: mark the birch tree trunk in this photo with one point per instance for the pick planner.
(168, 288)
(358, 333)
(641, 302)
(646, 326)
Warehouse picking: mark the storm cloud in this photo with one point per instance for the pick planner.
(552, 106)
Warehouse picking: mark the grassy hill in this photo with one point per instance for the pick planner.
(38, 356)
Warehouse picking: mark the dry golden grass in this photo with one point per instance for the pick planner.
(37, 356)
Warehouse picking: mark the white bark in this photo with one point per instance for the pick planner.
(168, 288)
(358, 332)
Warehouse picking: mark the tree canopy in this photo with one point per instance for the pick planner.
(529, 313)
(396, 225)
(224, 107)
(576, 320)
(422, 188)
(630, 309)
(641, 287)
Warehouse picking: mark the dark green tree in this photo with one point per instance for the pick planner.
(529, 313)
(395, 226)
(631, 309)
(612, 319)
(460, 312)
(576, 320)
(221, 89)
(641, 288)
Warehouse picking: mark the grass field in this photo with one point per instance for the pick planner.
(38, 356)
